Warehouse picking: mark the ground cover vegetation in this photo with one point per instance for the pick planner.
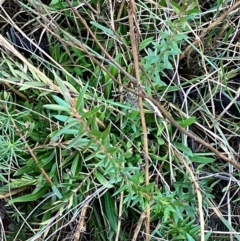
(123, 124)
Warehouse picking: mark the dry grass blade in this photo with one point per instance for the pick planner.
(4, 43)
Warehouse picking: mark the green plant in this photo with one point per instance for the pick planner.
(74, 156)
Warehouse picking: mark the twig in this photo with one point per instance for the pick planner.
(81, 225)
(134, 36)
(12, 192)
(11, 88)
(33, 155)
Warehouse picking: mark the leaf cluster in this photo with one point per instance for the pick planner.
(72, 159)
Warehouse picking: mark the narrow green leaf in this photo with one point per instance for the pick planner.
(175, 6)
(71, 128)
(104, 29)
(64, 90)
(60, 101)
(68, 159)
(90, 112)
(93, 155)
(65, 118)
(57, 107)
(187, 122)
(2, 178)
(75, 164)
(79, 142)
(110, 210)
(70, 86)
(100, 177)
(145, 43)
(190, 238)
(30, 197)
(27, 85)
(160, 141)
(56, 191)
(80, 100)
(202, 159)
(207, 235)
(187, 151)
